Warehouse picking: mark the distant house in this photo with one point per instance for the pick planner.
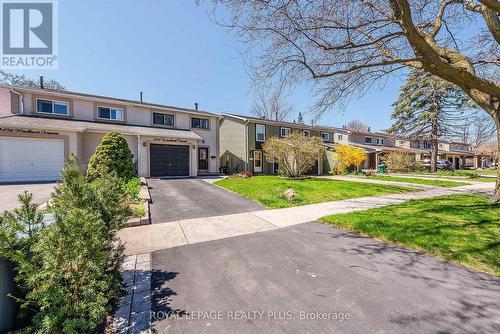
(242, 137)
(377, 144)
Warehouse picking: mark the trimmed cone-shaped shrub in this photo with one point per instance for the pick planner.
(112, 156)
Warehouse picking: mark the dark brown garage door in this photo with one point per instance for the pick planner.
(169, 160)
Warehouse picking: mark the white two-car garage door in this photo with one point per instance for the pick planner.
(30, 159)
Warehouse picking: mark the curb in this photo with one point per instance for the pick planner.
(133, 314)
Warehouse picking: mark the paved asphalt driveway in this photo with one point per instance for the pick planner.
(176, 199)
(313, 267)
(8, 193)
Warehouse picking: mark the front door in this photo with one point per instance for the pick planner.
(257, 161)
(202, 158)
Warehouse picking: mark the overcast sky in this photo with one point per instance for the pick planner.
(176, 55)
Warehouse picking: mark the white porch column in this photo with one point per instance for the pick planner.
(193, 147)
(139, 148)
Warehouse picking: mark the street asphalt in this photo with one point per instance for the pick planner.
(176, 199)
(314, 278)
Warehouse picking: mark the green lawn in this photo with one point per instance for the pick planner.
(463, 229)
(268, 190)
(482, 179)
(464, 172)
(436, 183)
(487, 172)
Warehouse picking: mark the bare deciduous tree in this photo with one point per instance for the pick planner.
(12, 79)
(346, 46)
(270, 105)
(357, 125)
(477, 130)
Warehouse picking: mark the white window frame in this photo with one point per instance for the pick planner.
(425, 146)
(370, 142)
(340, 137)
(257, 132)
(380, 141)
(327, 139)
(306, 131)
(54, 102)
(122, 111)
(285, 135)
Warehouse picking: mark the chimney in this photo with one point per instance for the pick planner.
(140, 97)
(196, 105)
(41, 82)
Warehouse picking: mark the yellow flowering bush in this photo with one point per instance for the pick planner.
(346, 156)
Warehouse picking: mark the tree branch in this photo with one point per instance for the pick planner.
(492, 4)
(445, 63)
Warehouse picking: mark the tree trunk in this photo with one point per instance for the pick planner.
(434, 155)
(436, 109)
(496, 194)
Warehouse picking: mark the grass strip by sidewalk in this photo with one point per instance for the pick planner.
(416, 180)
(483, 179)
(463, 229)
(268, 190)
(466, 172)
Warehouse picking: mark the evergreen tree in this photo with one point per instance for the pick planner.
(80, 255)
(428, 110)
(112, 156)
(69, 270)
(300, 119)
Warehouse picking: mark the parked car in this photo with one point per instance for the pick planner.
(441, 164)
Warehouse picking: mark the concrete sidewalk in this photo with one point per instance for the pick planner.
(148, 238)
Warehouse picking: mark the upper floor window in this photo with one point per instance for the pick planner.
(425, 146)
(340, 137)
(112, 113)
(52, 107)
(306, 133)
(260, 132)
(401, 142)
(163, 119)
(199, 123)
(368, 140)
(380, 141)
(441, 145)
(285, 132)
(325, 136)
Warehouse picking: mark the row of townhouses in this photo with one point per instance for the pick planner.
(242, 137)
(40, 128)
